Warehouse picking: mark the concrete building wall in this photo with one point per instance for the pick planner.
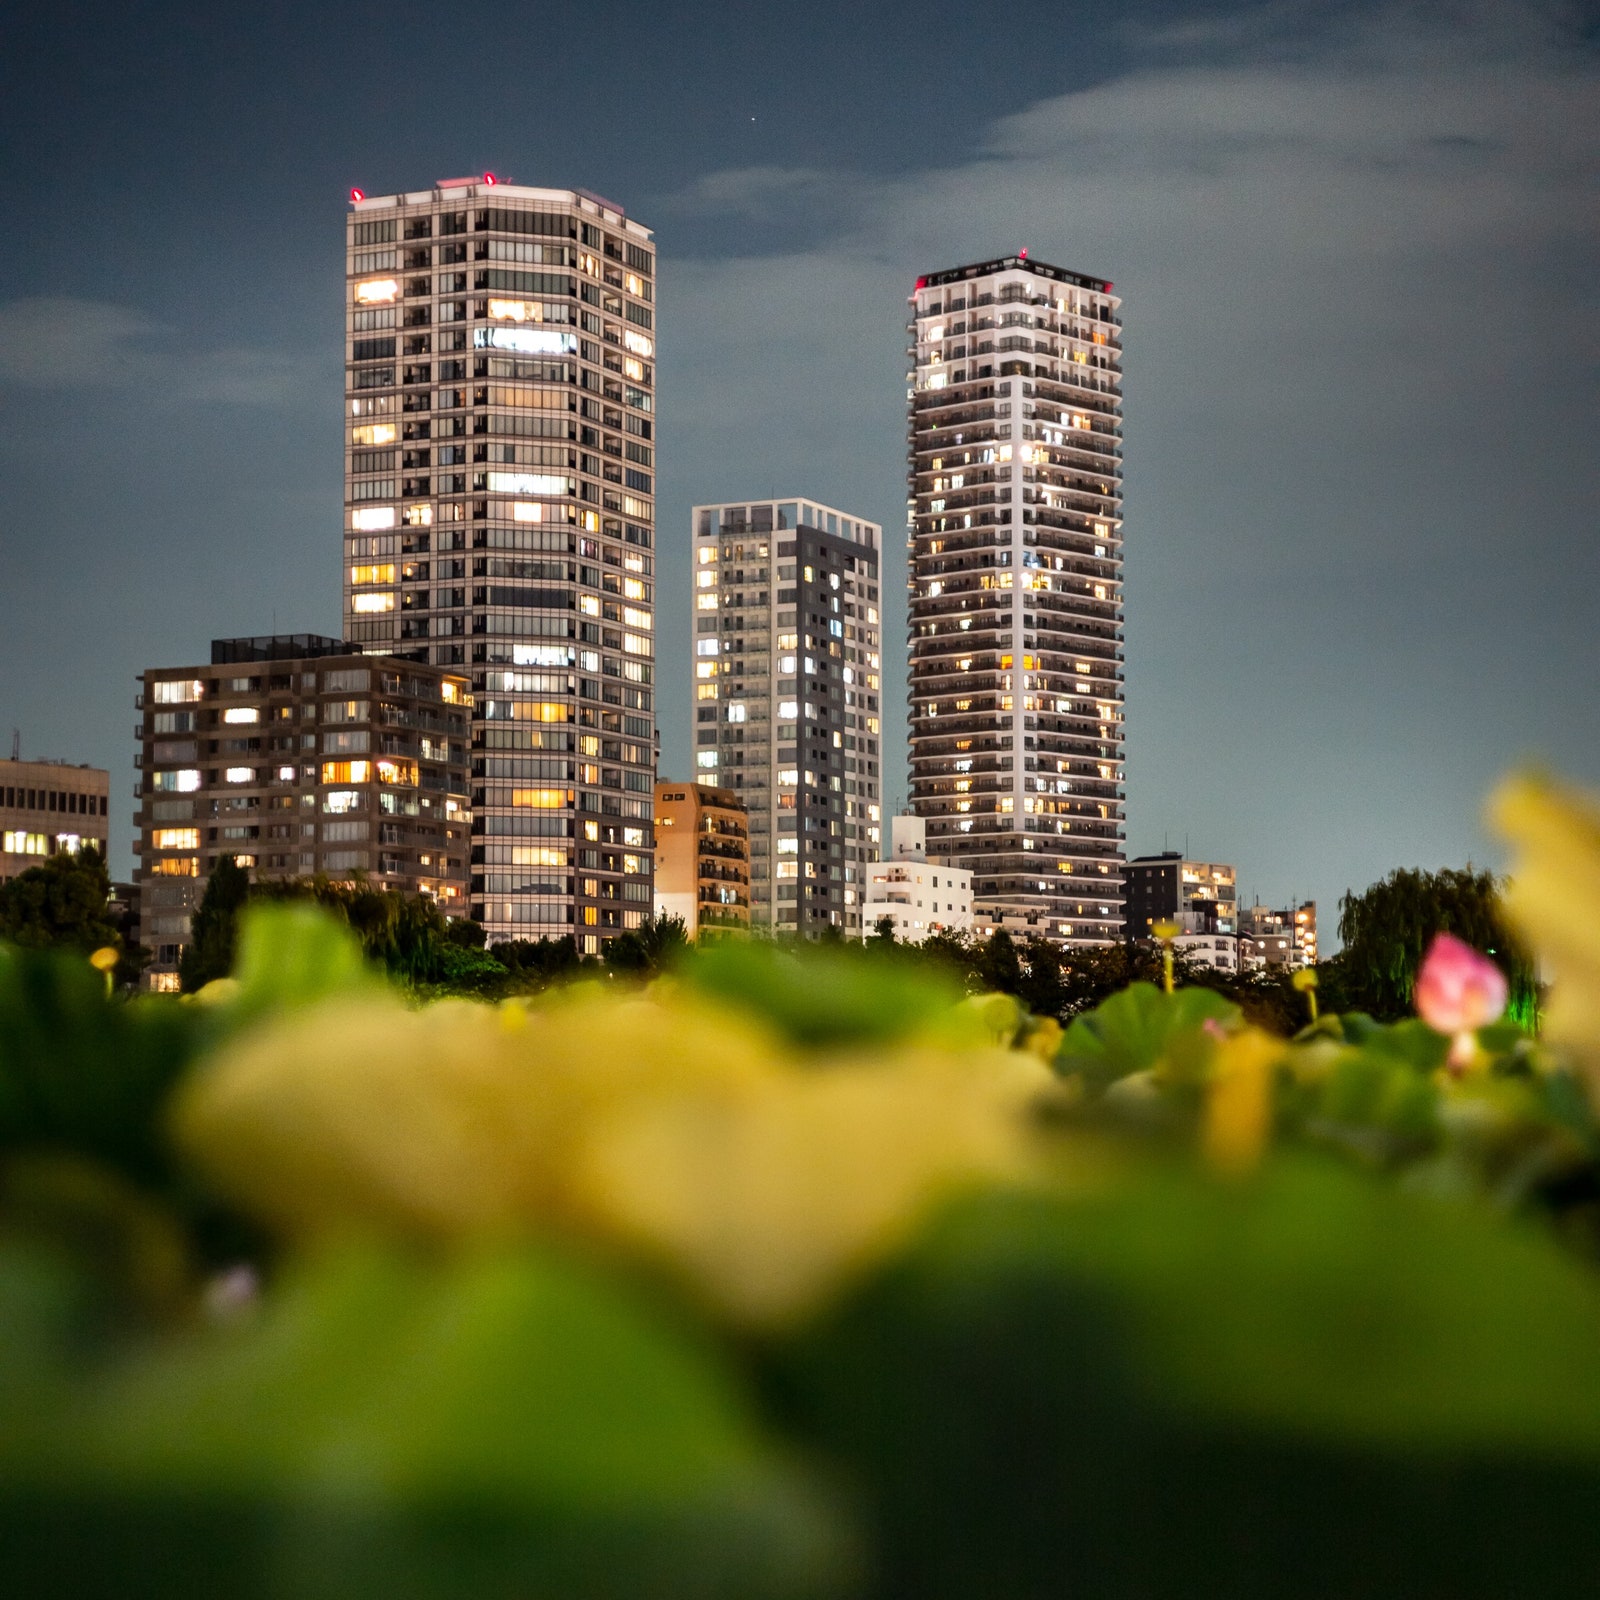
(47, 807)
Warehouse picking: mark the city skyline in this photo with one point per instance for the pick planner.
(1323, 531)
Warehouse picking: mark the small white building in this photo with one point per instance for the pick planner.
(921, 896)
(1218, 950)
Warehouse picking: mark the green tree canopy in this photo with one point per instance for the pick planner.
(650, 948)
(209, 952)
(60, 904)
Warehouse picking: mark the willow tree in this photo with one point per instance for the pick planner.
(1387, 929)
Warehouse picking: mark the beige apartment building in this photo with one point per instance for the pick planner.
(702, 858)
(787, 687)
(1016, 591)
(47, 808)
(1284, 937)
(500, 425)
(298, 755)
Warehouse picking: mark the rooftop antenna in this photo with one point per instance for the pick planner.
(16, 744)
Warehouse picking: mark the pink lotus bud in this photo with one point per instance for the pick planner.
(1458, 990)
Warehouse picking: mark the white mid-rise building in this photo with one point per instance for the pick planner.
(919, 896)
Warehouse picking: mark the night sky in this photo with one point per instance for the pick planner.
(1357, 246)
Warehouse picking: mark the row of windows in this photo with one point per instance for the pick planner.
(497, 219)
(67, 801)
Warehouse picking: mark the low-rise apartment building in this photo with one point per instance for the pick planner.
(297, 756)
(702, 858)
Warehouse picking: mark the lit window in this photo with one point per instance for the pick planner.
(634, 369)
(634, 589)
(638, 344)
(183, 782)
(372, 602)
(336, 802)
(26, 844)
(526, 511)
(383, 573)
(515, 311)
(376, 292)
(239, 774)
(371, 517)
(736, 711)
(542, 799)
(529, 341)
(636, 644)
(347, 772)
(176, 839)
(632, 617)
(176, 867)
(418, 516)
(527, 483)
(705, 647)
(392, 770)
(241, 714)
(179, 691)
(374, 433)
(706, 759)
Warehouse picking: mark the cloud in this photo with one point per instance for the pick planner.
(1362, 337)
(64, 343)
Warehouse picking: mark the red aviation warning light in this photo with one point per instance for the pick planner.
(1022, 255)
(357, 194)
(490, 179)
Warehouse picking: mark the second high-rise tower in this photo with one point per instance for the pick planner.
(1015, 628)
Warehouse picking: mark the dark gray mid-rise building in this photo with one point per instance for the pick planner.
(1199, 896)
(787, 684)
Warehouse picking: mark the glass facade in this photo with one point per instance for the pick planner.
(500, 516)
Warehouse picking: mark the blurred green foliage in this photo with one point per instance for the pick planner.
(1365, 1364)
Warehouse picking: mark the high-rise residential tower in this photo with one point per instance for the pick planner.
(500, 516)
(1016, 591)
(786, 685)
